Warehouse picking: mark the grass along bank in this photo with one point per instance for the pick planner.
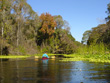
(13, 56)
(91, 53)
(90, 58)
(25, 56)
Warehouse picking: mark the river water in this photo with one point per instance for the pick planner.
(53, 71)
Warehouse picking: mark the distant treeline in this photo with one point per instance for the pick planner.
(22, 31)
(97, 40)
(99, 34)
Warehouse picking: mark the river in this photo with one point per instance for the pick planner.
(53, 71)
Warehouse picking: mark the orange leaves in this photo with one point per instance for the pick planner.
(48, 24)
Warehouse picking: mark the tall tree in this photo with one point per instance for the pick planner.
(59, 21)
(85, 37)
(5, 8)
(96, 34)
(22, 12)
(47, 28)
(108, 12)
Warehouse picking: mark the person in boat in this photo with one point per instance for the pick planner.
(45, 55)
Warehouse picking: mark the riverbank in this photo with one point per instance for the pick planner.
(25, 56)
(70, 57)
(90, 58)
(13, 57)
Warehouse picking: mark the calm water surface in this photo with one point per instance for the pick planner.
(53, 71)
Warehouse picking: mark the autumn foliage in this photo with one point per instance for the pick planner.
(48, 24)
(47, 28)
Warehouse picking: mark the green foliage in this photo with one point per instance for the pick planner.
(85, 37)
(108, 12)
(13, 56)
(96, 33)
(26, 32)
(88, 57)
(22, 50)
(59, 22)
(93, 49)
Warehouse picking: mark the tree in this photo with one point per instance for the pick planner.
(22, 13)
(59, 21)
(85, 37)
(105, 37)
(96, 33)
(47, 28)
(5, 8)
(108, 12)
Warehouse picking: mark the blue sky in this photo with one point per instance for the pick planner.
(82, 15)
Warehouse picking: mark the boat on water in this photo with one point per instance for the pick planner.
(44, 58)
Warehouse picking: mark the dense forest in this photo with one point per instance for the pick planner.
(23, 31)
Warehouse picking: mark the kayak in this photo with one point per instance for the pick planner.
(44, 58)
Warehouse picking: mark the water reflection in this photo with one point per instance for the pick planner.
(45, 65)
(103, 72)
(45, 62)
(1, 72)
(53, 71)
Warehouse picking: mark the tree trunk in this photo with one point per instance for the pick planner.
(18, 35)
(2, 30)
(2, 40)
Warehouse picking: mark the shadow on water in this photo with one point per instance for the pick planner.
(2, 59)
(60, 56)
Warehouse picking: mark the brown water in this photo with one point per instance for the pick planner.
(53, 71)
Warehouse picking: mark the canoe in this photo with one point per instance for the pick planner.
(44, 58)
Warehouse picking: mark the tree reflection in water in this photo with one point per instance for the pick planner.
(53, 71)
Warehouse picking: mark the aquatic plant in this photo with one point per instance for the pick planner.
(89, 57)
(13, 56)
